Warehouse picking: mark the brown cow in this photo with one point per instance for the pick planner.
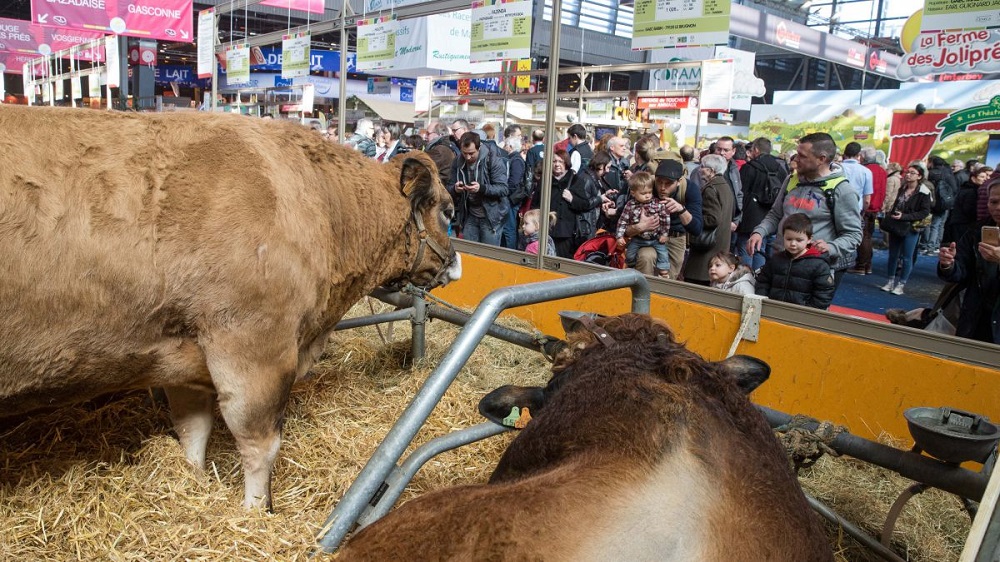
(207, 254)
(643, 451)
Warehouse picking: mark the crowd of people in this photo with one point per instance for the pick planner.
(735, 217)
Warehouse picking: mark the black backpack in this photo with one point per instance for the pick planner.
(772, 187)
(944, 196)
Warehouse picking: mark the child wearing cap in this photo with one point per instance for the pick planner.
(640, 187)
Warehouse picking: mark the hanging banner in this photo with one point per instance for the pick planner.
(312, 6)
(238, 64)
(295, 54)
(206, 42)
(3, 92)
(716, 84)
(75, 87)
(60, 90)
(676, 23)
(308, 98)
(960, 14)
(111, 59)
(501, 30)
(944, 52)
(377, 43)
(170, 20)
(19, 36)
(745, 84)
(14, 62)
(94, 83)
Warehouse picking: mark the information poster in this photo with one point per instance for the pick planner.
(295, 52)
(677, 23)
(111, 59)
(75, 87)
(940, 15)
(377, 43)
(501, 30)
(238, 64)
(94, 83)
(716, 84)
(206, 42)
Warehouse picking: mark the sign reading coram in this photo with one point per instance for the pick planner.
(943, 52)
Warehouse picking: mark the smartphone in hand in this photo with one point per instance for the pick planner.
(991, 235)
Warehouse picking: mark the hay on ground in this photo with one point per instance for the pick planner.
(106, 479)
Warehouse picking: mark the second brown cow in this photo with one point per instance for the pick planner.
(639, 450)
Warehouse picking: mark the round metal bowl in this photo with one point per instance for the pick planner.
(952, 435)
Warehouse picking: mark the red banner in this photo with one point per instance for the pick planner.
(676, 102)
(171, 20)
(23, 37)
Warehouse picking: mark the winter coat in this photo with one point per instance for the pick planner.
(963, 216)
(732, 177)
(741, 281)
(586, 203)
(565, 217)
(916, 208)
(491, 173)
(942, 174)
(530, 245)
(755, 183)
(841, 230)
(716, 212)
(806, 280)
(979, 318)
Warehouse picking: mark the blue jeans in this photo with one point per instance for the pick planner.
(662, 254)
(902, 249)
(759, 257)
(478, 229)
(509, 237)
(930, 238)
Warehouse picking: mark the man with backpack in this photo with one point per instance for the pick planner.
(480, 192)
(763, 179)
(581, 149)
(945, 189)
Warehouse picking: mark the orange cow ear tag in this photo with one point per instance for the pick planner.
(515, 415)
(524, 419)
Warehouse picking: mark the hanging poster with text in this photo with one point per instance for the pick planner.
(377, 43)
(295, 52)
(238, 64)
(111, 60)
(960, 14)
(678, 23)
(501, 30)
(943, 52)
(169, 20)
(745, 84)
(716, 84)
(94, 83)
(206, 42)
(75, 87)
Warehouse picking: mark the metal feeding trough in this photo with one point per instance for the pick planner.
(952, 435)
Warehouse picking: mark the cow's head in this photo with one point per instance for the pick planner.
(432, 259)
(641, 344)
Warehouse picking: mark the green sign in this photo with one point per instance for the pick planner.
(959, 121)
(295, 51)
(377, 43)
(662, 23)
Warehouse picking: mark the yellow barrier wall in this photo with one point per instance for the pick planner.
(862, 385)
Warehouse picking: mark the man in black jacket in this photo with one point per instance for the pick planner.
(755, 180)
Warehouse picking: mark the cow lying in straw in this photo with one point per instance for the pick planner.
(638, 450)
(208, 254)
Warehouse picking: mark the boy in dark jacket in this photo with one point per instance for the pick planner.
(799, 274)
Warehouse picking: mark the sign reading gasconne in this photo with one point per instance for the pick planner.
(674, 23)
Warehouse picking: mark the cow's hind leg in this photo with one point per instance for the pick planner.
(191, 412)
(252, 397)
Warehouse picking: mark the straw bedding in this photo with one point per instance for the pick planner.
(106, 480)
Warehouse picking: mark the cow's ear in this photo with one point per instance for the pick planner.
(414, 175)
(499, 406)
(747, 372)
